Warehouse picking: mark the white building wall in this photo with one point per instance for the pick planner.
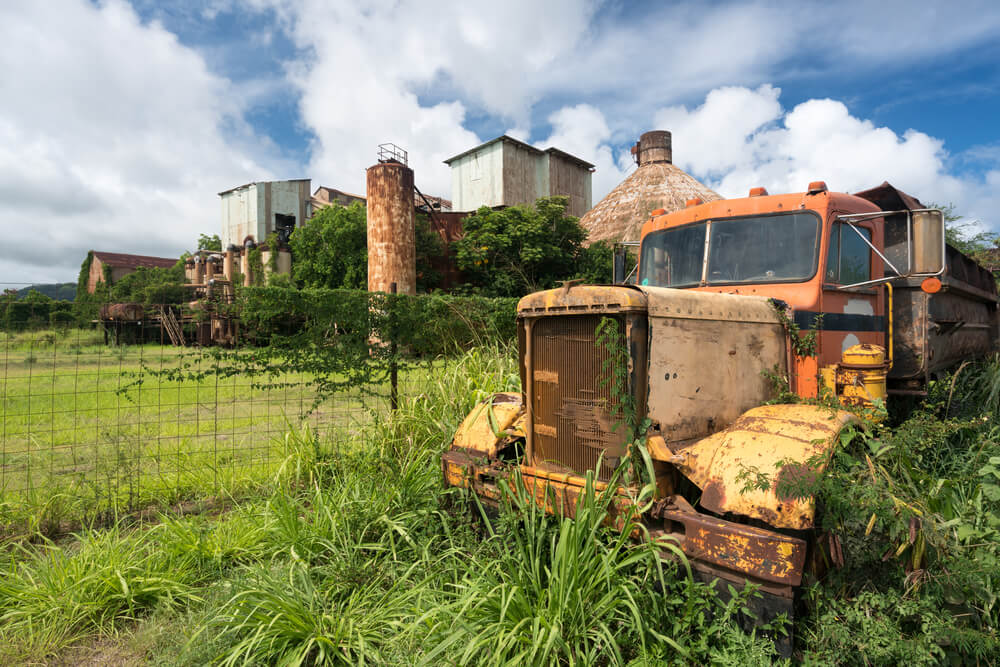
(506, 173)
(239, 215)
(286, 199)
(477, 179)
(250, 210)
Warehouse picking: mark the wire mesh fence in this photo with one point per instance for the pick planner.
(89, 422)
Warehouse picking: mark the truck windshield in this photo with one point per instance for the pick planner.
(752, 249)
(673, 257)
(763, 249)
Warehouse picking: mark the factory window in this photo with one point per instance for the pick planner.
(283, 226)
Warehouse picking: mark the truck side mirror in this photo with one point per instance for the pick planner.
(928, 242)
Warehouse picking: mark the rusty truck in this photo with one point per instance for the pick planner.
(720, 291)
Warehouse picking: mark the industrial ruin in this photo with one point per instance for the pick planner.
(257, 220)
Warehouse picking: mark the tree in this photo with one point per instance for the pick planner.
(595, 264)
(331, 250)
(967, 236)
(521, 249)
(206, 242)
(151, 285)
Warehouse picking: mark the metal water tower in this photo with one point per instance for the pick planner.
(391, 236)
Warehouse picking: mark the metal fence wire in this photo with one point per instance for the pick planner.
(79, 426)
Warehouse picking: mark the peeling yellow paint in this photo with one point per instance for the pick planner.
(766, 445)
(481, 433)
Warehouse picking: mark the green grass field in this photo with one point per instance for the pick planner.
(81, 434)
(351, 551)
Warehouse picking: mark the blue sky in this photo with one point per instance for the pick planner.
(122, 120)
(954, 95)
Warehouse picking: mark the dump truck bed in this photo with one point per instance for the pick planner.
(935, 332)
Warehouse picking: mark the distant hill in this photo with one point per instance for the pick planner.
(57, 291)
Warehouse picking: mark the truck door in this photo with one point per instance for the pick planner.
(857, 314)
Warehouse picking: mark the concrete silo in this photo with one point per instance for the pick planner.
(391, 236)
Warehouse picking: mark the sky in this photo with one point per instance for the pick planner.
(120, 122)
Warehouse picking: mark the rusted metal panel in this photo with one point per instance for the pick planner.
(448, 226)
(935, 332)
(654, 146)
(123, 312)
(771, 443)
(567, 178)
(520, 177)
(574, 410)
(491, 422)
(909, 337)
(958, 329)
(581, 299)
(759, 553)
(391, 246)
(707, 355)
(738, 551)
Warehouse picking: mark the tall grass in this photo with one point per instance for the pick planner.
(565, 591)
(358, 554)
(52, 596)
(338, 511)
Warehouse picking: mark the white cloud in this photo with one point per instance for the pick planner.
(583, 131)
(113, 136)
(741, 138)
(368, 70)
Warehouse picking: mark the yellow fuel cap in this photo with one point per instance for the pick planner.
(864, 354)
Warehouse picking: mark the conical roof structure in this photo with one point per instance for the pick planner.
(657, 183)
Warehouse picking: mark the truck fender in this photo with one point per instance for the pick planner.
(768, 449)
(491, 424)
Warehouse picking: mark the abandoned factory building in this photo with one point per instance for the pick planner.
(117, 265)
(263, 208)
(505, 172)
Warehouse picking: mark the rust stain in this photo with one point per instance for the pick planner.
(713, 497)
(546, 376)
(545, 429)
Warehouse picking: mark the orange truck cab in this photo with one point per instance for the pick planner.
(865, 269)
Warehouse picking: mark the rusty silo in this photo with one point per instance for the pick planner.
(391, 243)
(657, 183)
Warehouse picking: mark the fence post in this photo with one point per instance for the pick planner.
(393, 366)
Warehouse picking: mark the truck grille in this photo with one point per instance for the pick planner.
(574, 416)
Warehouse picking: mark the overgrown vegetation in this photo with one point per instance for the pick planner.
(342, 338)
(145, 285)
(331, 250)
(33, 310)
(911, 520)
(209, 242)
(521, 249)
(361, 555)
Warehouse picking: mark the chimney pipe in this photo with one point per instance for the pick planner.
(199, 270)
(227, 263)
(248, 245)
(653, 147)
